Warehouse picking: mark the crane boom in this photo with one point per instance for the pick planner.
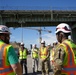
(38, 29)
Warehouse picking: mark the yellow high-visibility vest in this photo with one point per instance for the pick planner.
(5, 67)
(43, 53)
(35, 53)
(23, 54)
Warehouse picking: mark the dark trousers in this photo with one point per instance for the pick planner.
(23, 62)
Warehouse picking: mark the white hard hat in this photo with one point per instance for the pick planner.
(4, 29)
(55, 42)
(42, 41)
(63, 27)
(22, 43)
(34, 45)
(48, 44)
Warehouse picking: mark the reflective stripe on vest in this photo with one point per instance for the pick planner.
(70, 69)
(1, 55)
(3, 68)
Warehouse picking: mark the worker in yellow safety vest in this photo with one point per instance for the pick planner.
(23, 52)
(44, 58)
(35, 58)
(9, 64)
(65, 54)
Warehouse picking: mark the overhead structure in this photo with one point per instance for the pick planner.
(37, 18)
(34, 18)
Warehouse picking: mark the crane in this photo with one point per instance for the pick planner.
(40, 31)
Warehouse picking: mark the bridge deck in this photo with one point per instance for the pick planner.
(30, 18)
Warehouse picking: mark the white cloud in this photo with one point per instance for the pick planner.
(49, 38)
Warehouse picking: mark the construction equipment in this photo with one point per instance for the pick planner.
(39, 29)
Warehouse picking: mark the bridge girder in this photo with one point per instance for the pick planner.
(36, 18)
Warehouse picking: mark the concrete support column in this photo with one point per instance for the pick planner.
(0, 19)
(73, 33)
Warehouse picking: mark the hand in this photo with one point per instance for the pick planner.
(43, 60)
(57, 69)
(58, 72)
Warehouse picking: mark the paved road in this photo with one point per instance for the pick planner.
(29, 65)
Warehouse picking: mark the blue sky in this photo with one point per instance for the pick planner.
(32, 36)
(38, 4)
(53, 3)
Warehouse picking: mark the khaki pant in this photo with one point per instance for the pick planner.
(35, 62)
(45, 67)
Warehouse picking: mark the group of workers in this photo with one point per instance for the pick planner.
(62, 56)
(40, 55)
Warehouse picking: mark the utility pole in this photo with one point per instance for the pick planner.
(21, 33)
(21, 23)
(40, 38)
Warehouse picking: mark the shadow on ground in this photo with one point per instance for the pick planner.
(35, 73)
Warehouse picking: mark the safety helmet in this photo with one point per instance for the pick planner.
(22, 43)
(55, 42)
(34, 45)
(4, 29)
(42, 42)
(63, 27)
(48, 44)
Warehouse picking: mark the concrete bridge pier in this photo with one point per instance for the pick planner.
(73, 36)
